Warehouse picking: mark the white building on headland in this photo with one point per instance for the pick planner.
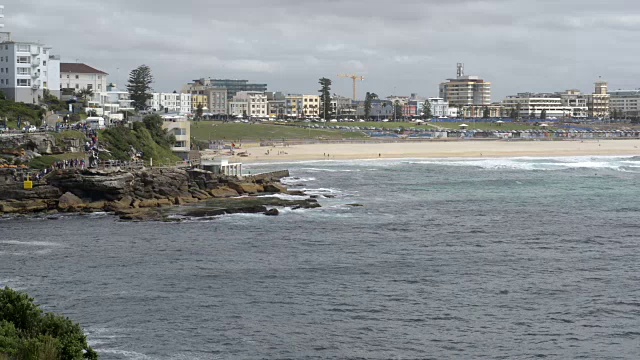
(111, 104)
(79, 76)
(180, 127)
(27, 69)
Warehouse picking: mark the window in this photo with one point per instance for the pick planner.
(24, 71)
(24, 59)
(24, 48)
(44, 63)
(24, 82)
(180, 131)
(90, 87)
(44, 84)
(77, 86)
(180, 144)
(1, 81)
(77, 76)
(2, 70)
(67, 76)
(99, 77)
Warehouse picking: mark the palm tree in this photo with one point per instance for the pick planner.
(384, 105)
(84, 94)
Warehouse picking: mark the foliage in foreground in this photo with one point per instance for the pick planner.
(148, 137)
(28, 333)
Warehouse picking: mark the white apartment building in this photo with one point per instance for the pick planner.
(171, 102)
(111, 104)
(256, 103)
(439, 107)
(238, 108)
(27, 69)
(79, 76)
(532, 105)
(577, 102)
(598, 102)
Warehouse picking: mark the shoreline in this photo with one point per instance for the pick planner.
(437, 150)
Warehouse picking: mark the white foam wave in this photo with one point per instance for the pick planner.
(284, 196)
(296, 180)
(541, 164)
(322, 191)
(126, 353)
(30, 243)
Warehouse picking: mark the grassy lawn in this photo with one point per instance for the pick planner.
(46, 160)
(208, 130)
(440, 125)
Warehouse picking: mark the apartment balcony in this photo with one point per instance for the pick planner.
(35, 50)
(35, 86)
(35, 62)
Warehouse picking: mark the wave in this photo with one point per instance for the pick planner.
(284, 196)
(543, 164)
(30, 243)
(296, 180)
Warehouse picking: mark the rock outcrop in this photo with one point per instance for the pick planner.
(143, 195)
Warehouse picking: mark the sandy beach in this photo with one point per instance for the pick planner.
(438, 149)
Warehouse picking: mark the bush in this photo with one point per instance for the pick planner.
(25, 333)
(119, 141)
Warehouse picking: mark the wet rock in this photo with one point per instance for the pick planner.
(355, 205)
(148, 203)
(272, 212)
(296, 193)
(23, 207)
(246, 188)
(139, 215)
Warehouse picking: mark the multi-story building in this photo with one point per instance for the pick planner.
(598, 102)
(466, 90)
(180, 127)
(293, 105)
(180, 103)
(256, 103)
(276, 105)
(311, 106)
(576, 101)
(625, 103)
(78, 76)
(532, 105)
(341, 106)
(439, 107)
(199, 100)
(235, 86)
(113, 104)
(217, 100)
(238, 109)
(27, 69)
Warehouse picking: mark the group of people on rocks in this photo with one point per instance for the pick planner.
(69, 164)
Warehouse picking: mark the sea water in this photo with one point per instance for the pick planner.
(471, 259)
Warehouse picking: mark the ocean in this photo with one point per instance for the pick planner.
(470, 258)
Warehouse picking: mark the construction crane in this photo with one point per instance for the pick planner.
(355, 78)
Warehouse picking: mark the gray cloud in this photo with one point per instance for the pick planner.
(404, 46)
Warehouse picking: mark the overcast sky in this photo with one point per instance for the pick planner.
(400, 46)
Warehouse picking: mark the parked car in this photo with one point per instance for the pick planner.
(30, 129)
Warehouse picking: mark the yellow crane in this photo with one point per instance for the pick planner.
(355, 78)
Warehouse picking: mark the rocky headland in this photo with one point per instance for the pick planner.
(152, 194)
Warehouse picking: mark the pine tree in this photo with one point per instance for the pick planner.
(325, 97)
(139, 87)
(426, 110)
(367, 104)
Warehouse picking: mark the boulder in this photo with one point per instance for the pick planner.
(139, 215)
(296, 193)
(123, 203)
(275, 188)
(246, 188)
(223, 192)
(199, 194)
(272, 212)
(70, 202)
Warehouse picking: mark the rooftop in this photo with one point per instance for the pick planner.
(79, 68)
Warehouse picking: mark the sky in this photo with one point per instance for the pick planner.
(399, 47)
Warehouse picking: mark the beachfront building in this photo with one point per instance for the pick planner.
(293, 105)
(217, 101)
(239, 109)
(598, 102)
(531, 105)
(180, 127)
(439, 107)
(311, 106)
(180, 103)
(79, 76)
(478, 111)
(256, 103)
(576, 101)
(27, 69)
(465, 90)
(276, 104)
(625, 103)
(343, 106)
(199, 100)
